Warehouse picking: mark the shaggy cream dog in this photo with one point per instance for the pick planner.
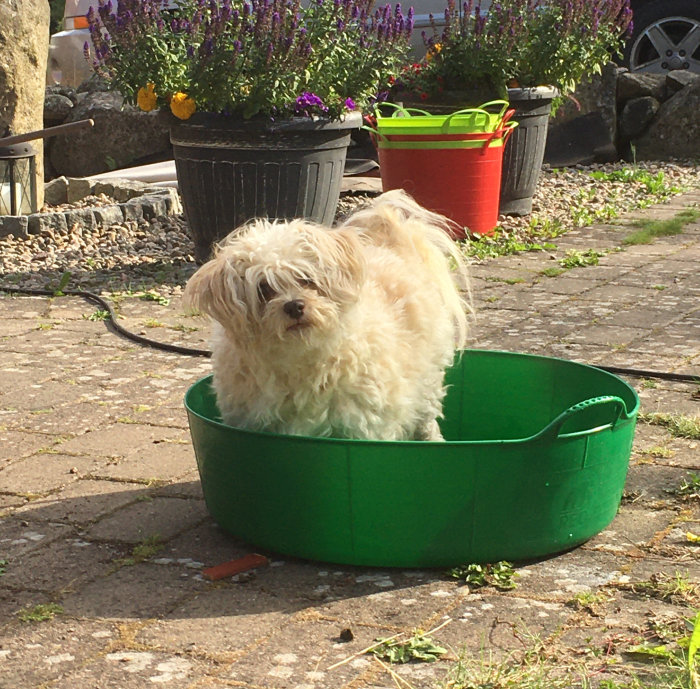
(340, 332)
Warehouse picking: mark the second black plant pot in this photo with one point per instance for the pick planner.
(524, 151)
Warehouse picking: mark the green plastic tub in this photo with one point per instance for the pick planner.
(485, 118)
(534, 463)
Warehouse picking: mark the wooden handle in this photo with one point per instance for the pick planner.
(46, 133)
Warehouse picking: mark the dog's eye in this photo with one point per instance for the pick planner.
(310, 284)
(265, 292)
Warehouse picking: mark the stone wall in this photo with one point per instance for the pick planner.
(123, 135)
(24, 47)
(629, 115)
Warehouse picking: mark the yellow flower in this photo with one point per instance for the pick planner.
(146, 97)
(433, 51)
(182, 106)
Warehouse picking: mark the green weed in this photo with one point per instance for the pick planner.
(419, 647)
(675, 661)
(150, 295)
(652, 229)
(145, 550)
(589, 601)
(552, 272)
(62, 284)
(40, 613)
(577, 259)
(99, 315)
(500, 575)
(674, 588)
(690, 487)
(657, 451)
(529, 669)
(678, 425)
(180, 327)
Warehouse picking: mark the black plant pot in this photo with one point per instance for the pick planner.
(230, 171)
(524, 150)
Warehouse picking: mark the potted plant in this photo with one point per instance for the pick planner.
(532, 52)
(261, 95)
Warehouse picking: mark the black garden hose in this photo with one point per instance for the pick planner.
(112, 325)
(111, 322)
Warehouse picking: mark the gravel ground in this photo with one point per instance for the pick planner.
(158, 255)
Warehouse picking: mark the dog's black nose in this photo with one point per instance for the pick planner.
(294, 308)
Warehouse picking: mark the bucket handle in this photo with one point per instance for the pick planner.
(503, 104)
(399, 111)
(373, 134)
(617, 410)
(482, 110)
(504, 130)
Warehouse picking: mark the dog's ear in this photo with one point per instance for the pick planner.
(214, 290)
(349, 259)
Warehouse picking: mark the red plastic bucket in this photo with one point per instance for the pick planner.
(457, 175)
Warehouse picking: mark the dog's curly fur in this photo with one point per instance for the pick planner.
(340, 332)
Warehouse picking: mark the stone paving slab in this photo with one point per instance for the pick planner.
(104, 533)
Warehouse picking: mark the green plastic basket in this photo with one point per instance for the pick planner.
(483, 119)
(534, 463)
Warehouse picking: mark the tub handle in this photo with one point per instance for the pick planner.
(606, 410)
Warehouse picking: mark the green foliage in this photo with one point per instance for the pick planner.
(578, 259)
(62, 284)
(504, 243)
(419, 647)
(552, 272)
(522, 43)
(652, 184)
(501, 575)
(532, 668)
(3, 566)
(690, 487)
(56, 20)
(40, 613)
(662, 228)
(98, 315)
(678, 425)
(154, 296)
(145, 550)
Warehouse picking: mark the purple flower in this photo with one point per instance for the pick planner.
(349, 104)
(307, 102)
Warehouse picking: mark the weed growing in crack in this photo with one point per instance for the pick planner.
(690, 487)
(590, 601)
(149, 546)
(99, 315)
(501, 575)
(40, 613)
(652, 229)
(577, 259)
(678, 425)
(533, 668)
(418, 647)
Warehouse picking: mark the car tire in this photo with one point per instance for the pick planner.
(666, 37)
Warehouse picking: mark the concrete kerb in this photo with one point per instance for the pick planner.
(134, 201)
